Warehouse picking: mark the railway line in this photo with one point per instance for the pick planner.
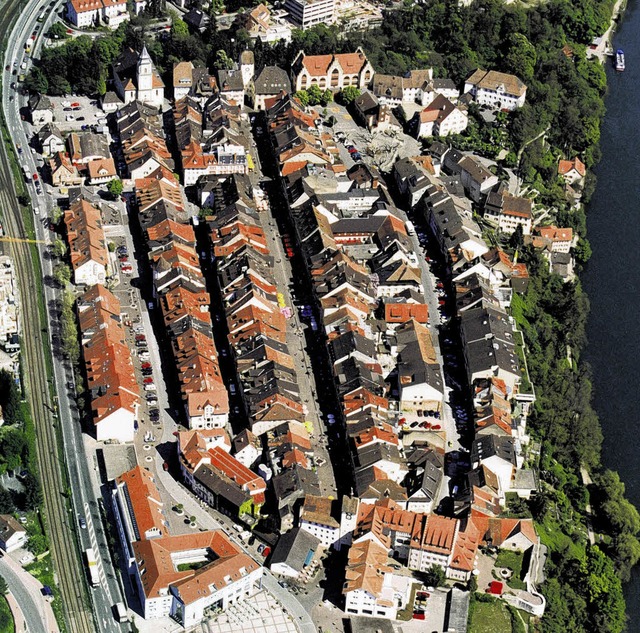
(68, 565)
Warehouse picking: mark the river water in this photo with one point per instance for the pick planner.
(612, 278)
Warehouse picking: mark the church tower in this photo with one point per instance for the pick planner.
(145, 75)
(247, 67)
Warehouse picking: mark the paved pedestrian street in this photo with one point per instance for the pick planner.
(261, 613)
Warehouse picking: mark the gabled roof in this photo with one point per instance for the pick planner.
(271, 81)
(318, 65)
(493, 80)
(366, 568)
(158, 572)
(565, 166)
(144, 501)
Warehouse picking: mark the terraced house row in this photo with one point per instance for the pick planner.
(369, 291)
(178, 283)
(111, 382)
(259, 334)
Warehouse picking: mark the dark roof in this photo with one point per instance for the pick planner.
(426, 472)
(49, 129)
(293, 483)
(443, 84)
(271, 81)
(196, 18)
(486, 446)
(230, 80)
(294, 548)
(366, 102)
(213, 481)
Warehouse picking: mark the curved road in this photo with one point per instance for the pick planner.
(37, 613)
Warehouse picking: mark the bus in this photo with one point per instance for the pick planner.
(27, 173)
(92, 566)
(121, 612)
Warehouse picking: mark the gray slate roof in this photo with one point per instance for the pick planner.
(271, 81)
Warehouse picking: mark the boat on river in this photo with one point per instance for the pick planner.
(620, 65)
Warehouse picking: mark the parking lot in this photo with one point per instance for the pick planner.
(71, 114)
(378, 148)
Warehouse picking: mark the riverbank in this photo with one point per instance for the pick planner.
(605, 48)
(611, 279)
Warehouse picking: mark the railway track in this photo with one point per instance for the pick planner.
(68, 565)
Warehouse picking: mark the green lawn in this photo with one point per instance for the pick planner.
(510, 560)
(6, 619)
(490, 617)
(43, 570)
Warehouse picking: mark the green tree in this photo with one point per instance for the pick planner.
(13, 448)
(32, 492)
(38, 544)
(303, 97)
(115, 187)
(69, 331)
(61, 274)
(9, 398)
(101, 86)
(582, 251)
(4, 588)
(59, 248)
(315, 95)
(36, 81)
(179, 28)
(6, 501)
(349, 94)
(58, 31)
(521, 57)
(435, 576)
(223, 61)
(56, 215)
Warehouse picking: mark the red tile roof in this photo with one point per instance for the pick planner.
(146, 504)
(565, 166)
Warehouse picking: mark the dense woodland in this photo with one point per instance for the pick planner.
(545, 46)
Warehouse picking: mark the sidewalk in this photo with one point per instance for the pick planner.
(16, 612)
(37, 611)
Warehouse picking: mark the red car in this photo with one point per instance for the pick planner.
(146, 366)
(141, 337)
(35, 177)
(148, 381)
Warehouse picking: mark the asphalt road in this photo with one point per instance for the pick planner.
(31, 605)
(69, 564)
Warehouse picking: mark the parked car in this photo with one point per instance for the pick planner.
(82, 522)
